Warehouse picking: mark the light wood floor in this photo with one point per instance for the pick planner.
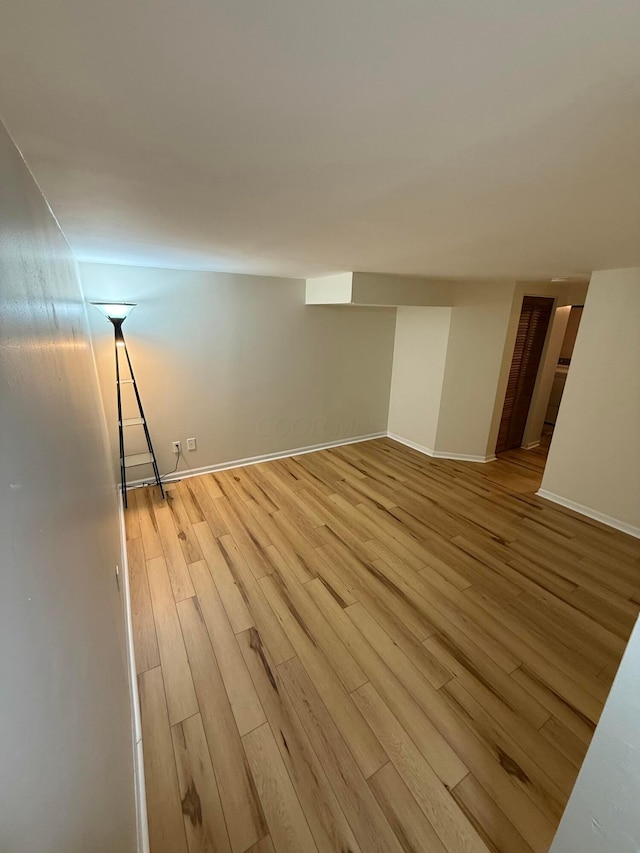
(364, 649)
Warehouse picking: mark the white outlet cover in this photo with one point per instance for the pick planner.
(191, 444)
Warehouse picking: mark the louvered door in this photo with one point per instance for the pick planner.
(532, 333)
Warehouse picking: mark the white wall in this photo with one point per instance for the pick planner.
(594, 460)
(602, 815)
(546, 375)
(241, 363)
(479, 328)
(418, 372)
(66, 770)
(330, 289)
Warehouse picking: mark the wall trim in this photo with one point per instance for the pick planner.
(590, 513)
(530, 446)
(138, 760)
(438, 454)
(255, 460)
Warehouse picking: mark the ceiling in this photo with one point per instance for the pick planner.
(301, 137)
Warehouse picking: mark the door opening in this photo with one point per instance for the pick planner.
(530, 339)
(562, 368)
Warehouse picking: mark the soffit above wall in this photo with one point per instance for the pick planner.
(377, 290)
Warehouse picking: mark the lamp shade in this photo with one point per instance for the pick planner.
(114, 310)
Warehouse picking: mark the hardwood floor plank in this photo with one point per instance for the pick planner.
(544, 657)
(176, 563)
(230, 484)
(498, 833)
(556, 704)
(148, 525)
(258, 492)
(240, 802)
(251, 524)
(548, 785)
(322, 634)
(246, 707)
(249, 547)
(445, 607)
(433, 746)
(377, 589)
(265, 620)
(206, 492)
(164, 812)
(265, 845)
(145, 642)
(339, 585)
(231, 595)
(450, 824)
(564, 741)
(482, 677)
(188, 542)
(617, 618)
(181, 697)
(186, 490)
(367, 751)
(131, 518)
(287, 823)
(201, 808)
(406, 818)
(326, 819)
(369, 825)
(279, 540)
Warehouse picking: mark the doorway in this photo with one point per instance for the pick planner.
(562, 368)
(530, 339)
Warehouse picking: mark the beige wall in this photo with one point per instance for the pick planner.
(66, 768)
(546, 375)
(241, 363)
(594, 459)
(479, 326)
(573, 325)
(381, 289)
(418, 372)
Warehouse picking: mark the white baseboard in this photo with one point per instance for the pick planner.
(299, 451)
(255, 460)
(590, 513)
(438, 454)
(463, 457)
(412, 444)
(531, 445)
(138, 762)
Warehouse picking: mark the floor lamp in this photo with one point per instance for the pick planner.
(116, 313)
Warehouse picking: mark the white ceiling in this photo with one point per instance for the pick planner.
(437, 137)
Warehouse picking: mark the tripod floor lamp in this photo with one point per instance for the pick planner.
(117, 312)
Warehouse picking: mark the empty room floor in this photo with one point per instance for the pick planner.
(364, 649)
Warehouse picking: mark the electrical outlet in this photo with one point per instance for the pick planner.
(177, 446)
(191, 444)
